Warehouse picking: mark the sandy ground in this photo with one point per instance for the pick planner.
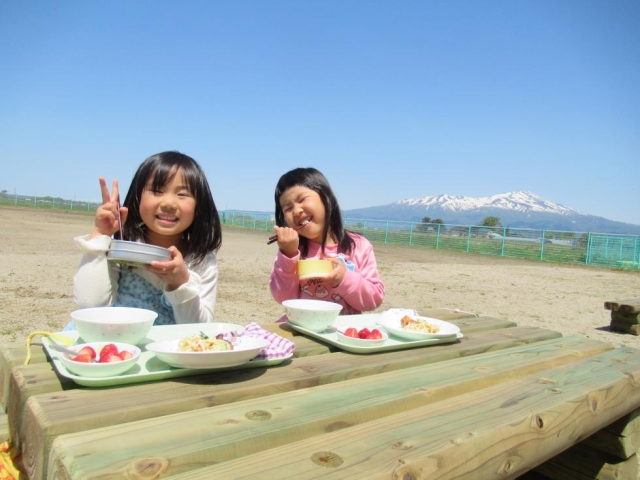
(39, 259)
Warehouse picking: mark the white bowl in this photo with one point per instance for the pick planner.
(314, 315)
(361, 342)
(243, 351)
(100, 370)
(136, 254)
(114, 324)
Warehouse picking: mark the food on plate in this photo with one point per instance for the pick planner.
(202, 343)
(418, 325)
(108, 353)
(364, 333)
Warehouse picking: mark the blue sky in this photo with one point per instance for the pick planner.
(390, 99)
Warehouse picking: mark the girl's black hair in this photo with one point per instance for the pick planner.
(316, 181)
(204, 235)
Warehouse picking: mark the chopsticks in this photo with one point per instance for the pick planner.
(274, 238)
(120, 219)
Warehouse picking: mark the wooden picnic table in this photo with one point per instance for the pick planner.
(503, 402)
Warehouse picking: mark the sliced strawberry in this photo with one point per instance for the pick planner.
(87, 351)
(84, 358)
(363, 333)
(108, 349)
(110, 357)
(125, 355)
(351, 332)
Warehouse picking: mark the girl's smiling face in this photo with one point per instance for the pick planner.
(300, 204)
(167, 212)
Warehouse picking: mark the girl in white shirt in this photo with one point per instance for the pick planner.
(169, 204)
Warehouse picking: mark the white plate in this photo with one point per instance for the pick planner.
(243, 351)
(148, 367)
(391, 323)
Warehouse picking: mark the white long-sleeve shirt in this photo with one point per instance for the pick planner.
(97, 284)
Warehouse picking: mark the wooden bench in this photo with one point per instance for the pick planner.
(625, 315)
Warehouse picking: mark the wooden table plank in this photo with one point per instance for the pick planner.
(481, 324)
(12, 355)
(228, 432)
(48, 415)
(492, 433)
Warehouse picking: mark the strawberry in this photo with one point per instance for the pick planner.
(109, 357)
(108, 349)
(87, 351)
(363, 333)
(351, 332)
(84, 358)
(374, 335)
(125, 355)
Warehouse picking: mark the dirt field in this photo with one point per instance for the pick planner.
(39, 259)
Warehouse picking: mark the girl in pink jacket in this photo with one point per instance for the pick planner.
(309, 226)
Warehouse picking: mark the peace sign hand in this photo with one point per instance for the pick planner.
(107, 219)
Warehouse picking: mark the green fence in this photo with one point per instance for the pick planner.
(48, 202)
(578, 248)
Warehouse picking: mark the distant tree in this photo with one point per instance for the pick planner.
(4, 194)
(439, 221)
(428, 223)
(491, 222)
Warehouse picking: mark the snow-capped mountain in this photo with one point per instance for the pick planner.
(519, 209)
(517, 201)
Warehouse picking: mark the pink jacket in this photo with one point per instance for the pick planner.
(360, 291)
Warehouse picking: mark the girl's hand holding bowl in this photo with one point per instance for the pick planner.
(173, 272)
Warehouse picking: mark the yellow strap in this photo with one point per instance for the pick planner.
(56, 336)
